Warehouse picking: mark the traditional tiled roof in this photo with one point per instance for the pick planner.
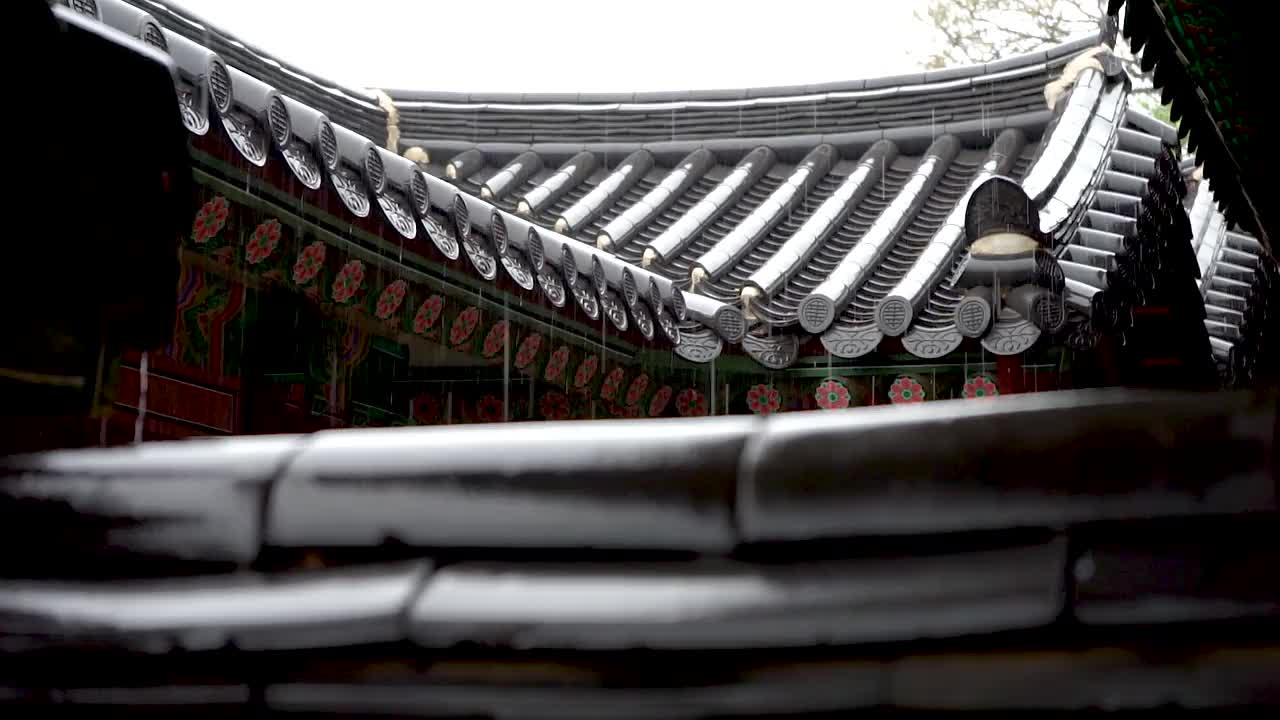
(1238, 279)
(758, 217)
(1205, 58)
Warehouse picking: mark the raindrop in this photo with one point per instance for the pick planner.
(711, 404)
(506, 363)
(142, 400)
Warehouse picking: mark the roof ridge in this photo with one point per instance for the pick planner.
(194, 22)
(1061, 52)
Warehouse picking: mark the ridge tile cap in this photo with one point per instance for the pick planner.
(906, 79)
(1018, 61)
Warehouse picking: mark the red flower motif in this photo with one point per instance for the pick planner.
(691, 403)
(494, 341)
(586, 371)
(426, 409)
(528, 350)
(390, 299)
(554, 406)
(464, 325)
(263, 242)
(905, 390)
(619, 410)
(210, 220)
(764, 399)
(637, 388)
(554, 372)
(980, 386)
(658, 403)
(489, 409)
(831, 395)
(612, 384)
(428, 313)
(348, 282)
(310, 260)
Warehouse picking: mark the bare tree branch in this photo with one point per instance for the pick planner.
(978, 31)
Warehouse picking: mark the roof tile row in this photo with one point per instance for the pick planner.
(703, 486)
(500, 495)
(680, 227)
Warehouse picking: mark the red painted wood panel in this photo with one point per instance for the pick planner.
(123, 424)
(165, 365)
(201, 405)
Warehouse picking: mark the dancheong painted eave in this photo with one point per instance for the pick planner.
(761, 218)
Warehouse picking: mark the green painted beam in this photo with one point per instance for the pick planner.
(257, 194)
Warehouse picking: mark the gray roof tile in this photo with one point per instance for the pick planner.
(1014, 62)
(195, 503)
(811, 477)
(662, 128)
(894, 80)
(450, 495)
(718, 606)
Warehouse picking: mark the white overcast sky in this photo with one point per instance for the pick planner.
(580, 45)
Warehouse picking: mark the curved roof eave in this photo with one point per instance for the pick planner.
(1200, 58)
(355, 107)
(317, 143)
(362, 175)
(699, 114)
